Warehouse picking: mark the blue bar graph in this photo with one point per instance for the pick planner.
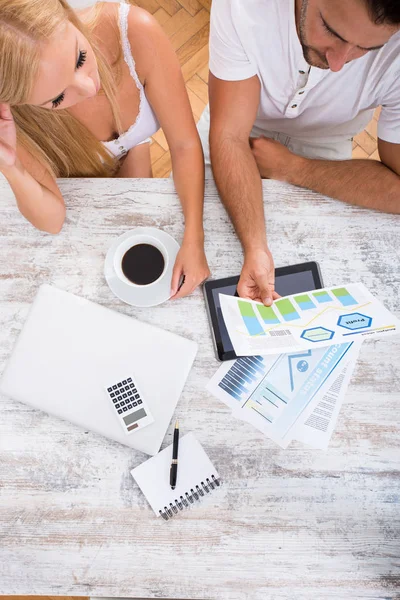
(268, 315)
(287, 310)
(249, 317)
(304, 301)
(256, 362)
(344, 297)
(244, 371)
(322, 297)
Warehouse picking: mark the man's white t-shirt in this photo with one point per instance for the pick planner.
(259, 37)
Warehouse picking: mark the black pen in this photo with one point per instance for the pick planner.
(174, 464)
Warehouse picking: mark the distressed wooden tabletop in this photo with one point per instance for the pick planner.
(296, 523)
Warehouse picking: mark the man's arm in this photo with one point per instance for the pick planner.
(233, 110)
(367, 183)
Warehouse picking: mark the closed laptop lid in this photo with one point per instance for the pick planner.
(70, 349)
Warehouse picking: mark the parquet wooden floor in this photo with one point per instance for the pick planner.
(187, 24)
(365, 144)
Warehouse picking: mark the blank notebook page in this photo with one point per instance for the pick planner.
(197, 477)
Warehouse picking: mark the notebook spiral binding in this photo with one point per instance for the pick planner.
(194, 495)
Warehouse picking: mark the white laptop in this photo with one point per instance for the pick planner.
(102, 370)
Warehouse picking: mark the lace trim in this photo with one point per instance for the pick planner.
(127, 50)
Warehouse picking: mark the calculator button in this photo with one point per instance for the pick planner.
(122, 403)
(109, 389)
(139, 402)
(112, 395)
(135, 404)
(132, 385)
(119, 384)
(120, 411)
(129, 406)
(129, 393)
(125, 409)
(129, 380)
(124, 382)
(117, 405)
(127, 388)
(137, 396)
(115, 400)
(124, 395)
(114, 387)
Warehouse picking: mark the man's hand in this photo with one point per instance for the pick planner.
(274, 161)
(257, 280)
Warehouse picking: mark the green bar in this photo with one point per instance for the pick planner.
(340, 292)
(316, 294)
(246, 309)
(285, 307)
(267, 313)
(303, 298)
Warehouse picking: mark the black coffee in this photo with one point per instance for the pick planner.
(143, 264)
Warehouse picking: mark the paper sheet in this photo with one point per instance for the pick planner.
(305, 321)
(317, 429)
(276, 394)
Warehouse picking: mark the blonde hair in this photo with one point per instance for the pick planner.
(57, 139)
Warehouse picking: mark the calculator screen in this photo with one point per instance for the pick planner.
(133, 417)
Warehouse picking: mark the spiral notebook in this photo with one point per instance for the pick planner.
(197, 477)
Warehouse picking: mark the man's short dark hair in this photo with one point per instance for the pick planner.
(385, 11)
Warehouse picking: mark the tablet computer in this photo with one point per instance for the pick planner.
(288, 280)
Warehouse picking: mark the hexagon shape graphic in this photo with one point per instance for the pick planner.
(354, 321)
(317, 334)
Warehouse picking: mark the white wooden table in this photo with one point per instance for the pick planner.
(287, 524)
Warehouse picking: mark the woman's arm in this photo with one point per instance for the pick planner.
(159, 70)
(37, 194)
(39, 204)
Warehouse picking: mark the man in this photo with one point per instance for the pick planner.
(307, 75)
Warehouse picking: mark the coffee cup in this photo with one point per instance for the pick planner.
(141, 261)
(139, 266)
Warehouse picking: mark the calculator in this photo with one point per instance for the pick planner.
(130, 407)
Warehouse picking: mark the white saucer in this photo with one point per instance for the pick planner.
(141, 295)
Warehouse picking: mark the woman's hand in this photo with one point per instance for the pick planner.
(191, 265)
(8, 138)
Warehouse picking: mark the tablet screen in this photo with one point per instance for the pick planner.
(286, 283)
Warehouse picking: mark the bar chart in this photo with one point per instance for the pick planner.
(242, 376)
(322, 297)
(344, 297)
(304, 301)
(250, 318)
(305, 320)
(268, 315)
(287, 310)
(292, 308)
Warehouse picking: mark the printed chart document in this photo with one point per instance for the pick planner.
(289, 396)
(306, 321)
(317, 429)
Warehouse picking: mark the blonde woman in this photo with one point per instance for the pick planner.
(80, 94)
